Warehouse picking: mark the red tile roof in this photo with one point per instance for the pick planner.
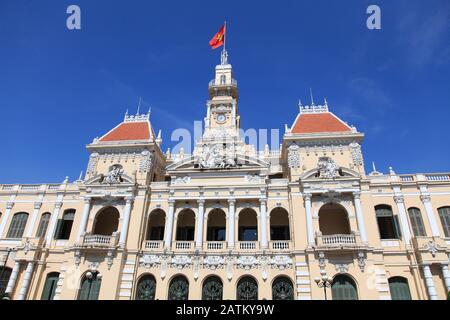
(128, 131)
(319, 122)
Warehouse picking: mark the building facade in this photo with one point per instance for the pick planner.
(228, 221)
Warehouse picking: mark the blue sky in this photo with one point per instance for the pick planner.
(59, 89)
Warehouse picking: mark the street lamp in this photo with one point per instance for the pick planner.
(324, 282)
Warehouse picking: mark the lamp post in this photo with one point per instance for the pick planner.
(324, 282)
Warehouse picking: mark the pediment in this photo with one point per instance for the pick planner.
(101, 179)
(340, 173)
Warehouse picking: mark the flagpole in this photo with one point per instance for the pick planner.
(225, 36)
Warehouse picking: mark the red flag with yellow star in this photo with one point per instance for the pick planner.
(219, 38)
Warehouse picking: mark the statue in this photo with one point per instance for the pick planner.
(115, 174)
(328, 169)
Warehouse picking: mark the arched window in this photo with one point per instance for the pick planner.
(416, 222)
(279, 224)
(333, 219)
(223, 79)
(5, 274)
(64, 226)
(90, 286)
(216, 230)
(444, 215)
(185, 225)
(248, 225)
(106, 221)
(156, 224)
(282, 289)
(43, 224)
(212, 289)
(50, 286)
(247, 289)
(146, 288)
(399, 288)
(17, 226)
(344, 288)
(179, 288)
(387, 223)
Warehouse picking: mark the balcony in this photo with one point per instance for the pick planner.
(153, 244)
(248, 245)
(215, 245)
(216, 83)
(184, 245)
(280, 245)
(99, 241)
(337, 241)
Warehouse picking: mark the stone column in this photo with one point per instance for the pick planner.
(446, 275)
(52, 226)
(5, 218)
(125, 221)
(199, 224)
(84, 218)
(360, 217)
(403, 219)
(169, 225)
(429, 282)
(13, 278)
(34, 216)
(231, 221)
(430, 215)
(263, 220)
(26, 281)
(309, 222)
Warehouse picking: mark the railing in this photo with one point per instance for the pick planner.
(337, 240)
(97, 240)
(214, 83)
(247, 245)
(183, 245)
(280, 245)
(153, 244)
(407, 178)
(215, 245)
(438, 177)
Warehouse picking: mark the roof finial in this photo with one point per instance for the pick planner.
(139, 106)
(373, 166)
(312, 98)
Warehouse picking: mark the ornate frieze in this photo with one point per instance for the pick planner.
(355, 150)
(256, 178)
(146, 161)
(341, 267)
(149, 261)
(180, 180)
(247, 262)
(281, 262)
(181, 261)
(294, 156)
(213, 262)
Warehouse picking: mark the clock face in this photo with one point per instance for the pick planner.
(221, 118)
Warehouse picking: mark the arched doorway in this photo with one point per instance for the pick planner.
(212, 288)
(156, 225)
(247, 289)
(106, 221)
(399, 288)
(179, 288)
(279, 224)
(90, 286)
(248, 225)
(282, 289)
(146, 288)
(51, 283)
(185, 225)
(344, 288)
(333, 219)
(217, 222)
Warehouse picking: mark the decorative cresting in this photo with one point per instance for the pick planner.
(212, 289)
(293, 156)
(179, 288)
(328, 169)
(146, 288)
(282, 289)
(247, 289)
(218, 155)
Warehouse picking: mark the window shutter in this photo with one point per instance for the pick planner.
(58, 229)
(95, 289)
(398, 230)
